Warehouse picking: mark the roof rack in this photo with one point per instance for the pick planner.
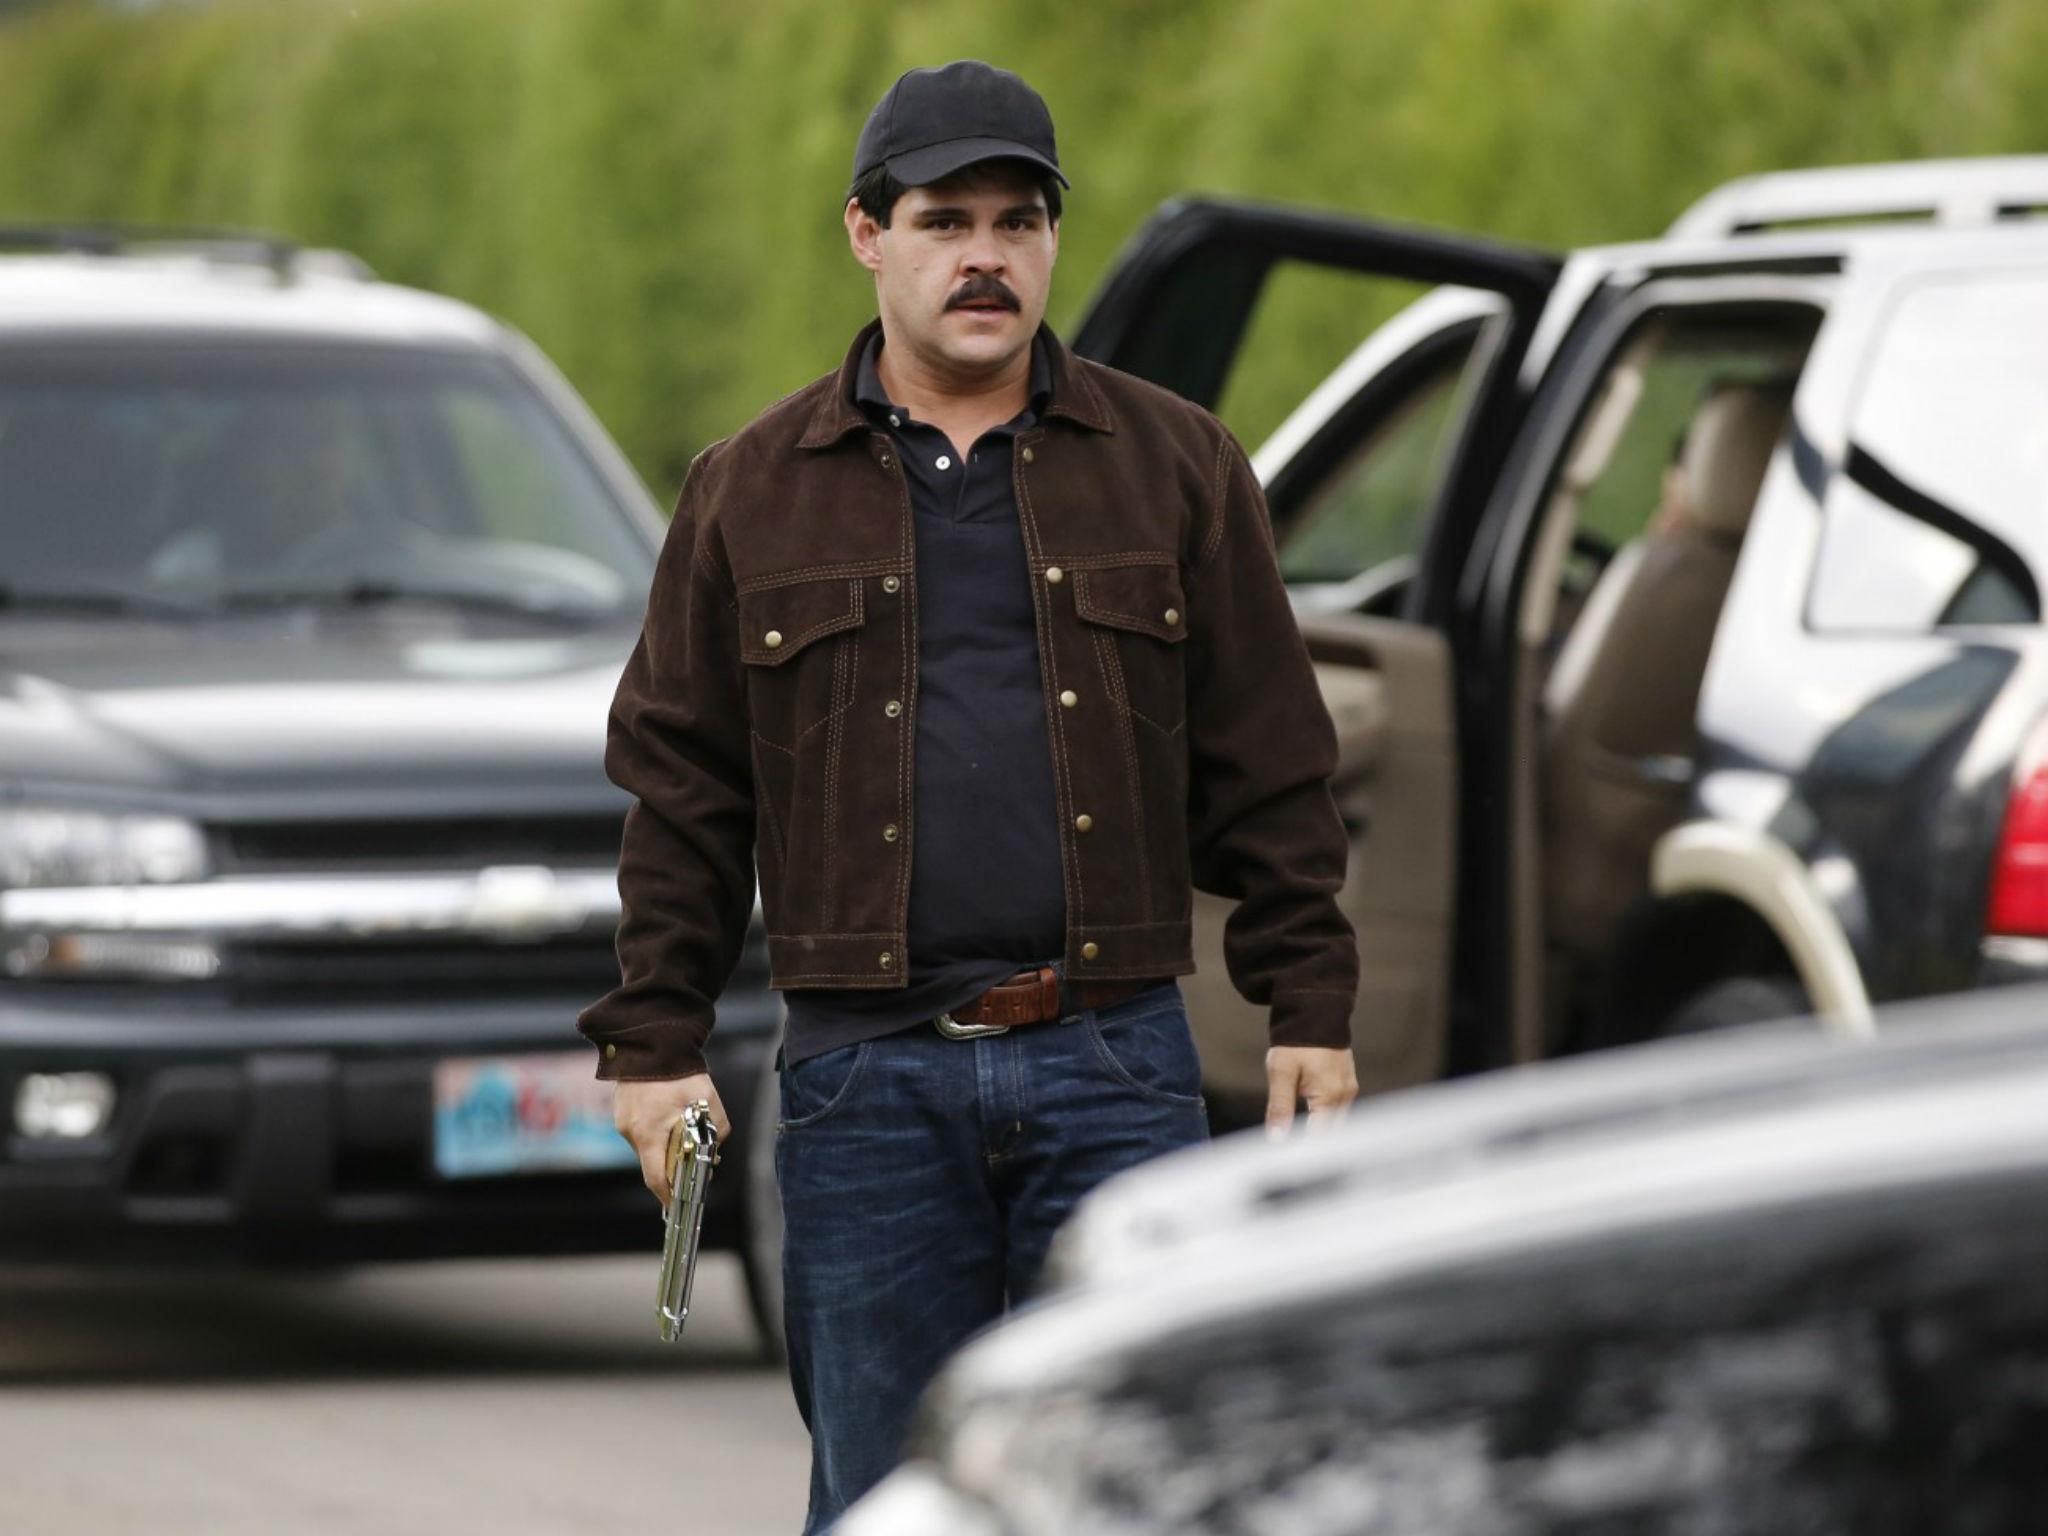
(285, 259)
(1948, 193)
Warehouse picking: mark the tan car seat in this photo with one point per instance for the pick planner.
(1621, 701)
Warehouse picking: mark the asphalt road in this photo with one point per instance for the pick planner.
(505, 1398)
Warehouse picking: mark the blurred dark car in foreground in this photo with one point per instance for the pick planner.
(1757, 1282)
(313, 594)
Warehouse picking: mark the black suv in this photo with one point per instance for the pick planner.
(1678, 603)
(314, 591)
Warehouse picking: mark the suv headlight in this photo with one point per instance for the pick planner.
(51, 845)
(96, 853)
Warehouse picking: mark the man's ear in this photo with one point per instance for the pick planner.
(864, 234)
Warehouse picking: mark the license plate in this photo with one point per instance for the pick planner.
(542, 1113)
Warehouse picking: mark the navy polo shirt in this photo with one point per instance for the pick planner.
(987, 894)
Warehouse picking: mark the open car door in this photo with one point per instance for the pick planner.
(1376, 483)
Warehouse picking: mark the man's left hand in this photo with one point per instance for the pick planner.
(1323, 1075)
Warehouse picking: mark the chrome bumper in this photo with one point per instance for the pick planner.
(508, 901)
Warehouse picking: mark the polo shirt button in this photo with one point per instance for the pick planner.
(1089, 951)
(1027, 455)
(889, 833)
(1083, 822)
(891, 583)
(1069, 698)
(944, 462)
(895, 420)
(1055, 575)
(893, 708)
(772, 639)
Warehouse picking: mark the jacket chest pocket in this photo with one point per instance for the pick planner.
(1136, 617)
(797, 639)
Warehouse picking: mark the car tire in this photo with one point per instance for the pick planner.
(1733, 1001)
(761, 1250)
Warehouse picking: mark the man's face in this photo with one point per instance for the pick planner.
(964, 268)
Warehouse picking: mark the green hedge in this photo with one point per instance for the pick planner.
(650, 188)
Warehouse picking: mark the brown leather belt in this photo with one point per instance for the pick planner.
(1035, 995)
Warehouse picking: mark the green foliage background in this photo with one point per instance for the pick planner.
(651, 188)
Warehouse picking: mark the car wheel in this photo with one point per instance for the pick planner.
(761, 1253)
(1736, 1000)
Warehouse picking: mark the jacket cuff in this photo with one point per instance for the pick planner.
(649, 1052)
(1311, 1018)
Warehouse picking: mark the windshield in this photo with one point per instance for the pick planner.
(191, 478)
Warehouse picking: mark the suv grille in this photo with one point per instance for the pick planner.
(310, 971)
(313, 969)
(438, 843)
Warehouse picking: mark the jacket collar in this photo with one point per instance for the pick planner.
(1074, 395)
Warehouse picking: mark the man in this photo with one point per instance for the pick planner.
(982, 651)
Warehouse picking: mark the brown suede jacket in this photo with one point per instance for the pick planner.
(768, 712)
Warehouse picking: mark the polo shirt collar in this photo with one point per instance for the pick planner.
(1069, 393)
(868, 390)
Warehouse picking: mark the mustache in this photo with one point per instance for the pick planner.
(984, 289)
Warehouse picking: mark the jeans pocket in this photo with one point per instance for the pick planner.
(818, 1085)
(1146, 1044)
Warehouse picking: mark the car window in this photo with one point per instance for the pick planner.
(1938, 515)
(208, 473)
(1362, 505)
(1620, 476)
(1650, 397)
(1306, 321)
(1372, 508)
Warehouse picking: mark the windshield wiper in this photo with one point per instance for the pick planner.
(364, 594)
(121, 600)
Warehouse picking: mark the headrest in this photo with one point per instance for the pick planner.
(1726, 449)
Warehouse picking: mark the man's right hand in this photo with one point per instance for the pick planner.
(645, 1112)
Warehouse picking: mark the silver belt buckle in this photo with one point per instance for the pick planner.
(952, 1029)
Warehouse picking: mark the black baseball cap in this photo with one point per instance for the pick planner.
(931, 122)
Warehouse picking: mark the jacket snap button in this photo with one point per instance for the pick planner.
(1173, 615)
(1089, 951)
(1054, 574)
(887, 960)
(889, 833)
(610, 1051)
(886, 461)
(892, 709)
(1027, 455)
(890, 583)
(772, 639)
(1083, 822)
(1069, 698)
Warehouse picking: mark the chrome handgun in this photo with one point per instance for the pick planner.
(692, 1152)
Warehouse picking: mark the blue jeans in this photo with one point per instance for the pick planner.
(922, 1179)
